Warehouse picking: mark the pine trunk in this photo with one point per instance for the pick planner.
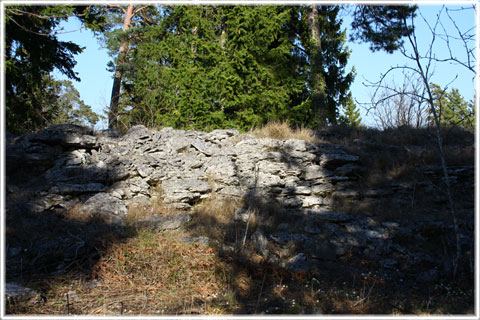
(117, 80)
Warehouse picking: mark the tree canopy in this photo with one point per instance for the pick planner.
(32, 51)
(233, 66)
(199, 66)
(383, 27)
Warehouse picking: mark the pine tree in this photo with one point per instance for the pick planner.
(383, 27)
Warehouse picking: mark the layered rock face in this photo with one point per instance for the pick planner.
(65, 161)
(67, 165)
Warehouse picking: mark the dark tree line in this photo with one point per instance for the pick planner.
(197, 66)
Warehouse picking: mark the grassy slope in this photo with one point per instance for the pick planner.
(150, 273)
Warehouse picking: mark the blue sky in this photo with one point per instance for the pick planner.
(96, 83)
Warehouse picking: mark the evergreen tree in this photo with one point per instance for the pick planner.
(350, 114)
(452, 109)
(236, 66)
(69, 107)
(326, 59)
(124, 25)
(210, 67)
(32, 51)
(384, 27)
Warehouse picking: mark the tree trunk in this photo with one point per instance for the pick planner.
(223, 34)
(314, 26)
(430, 100)
(117, 80)
(316, 82)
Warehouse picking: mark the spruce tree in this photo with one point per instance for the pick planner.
(350, 114)
(209, 67)
(235, 66)
(328, 80)
(452, 109)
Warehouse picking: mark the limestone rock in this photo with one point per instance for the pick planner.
(222, 169)
(184, 192)
(77, 188)
(201, 240)
(108, 172)
(241, 215)
(174, 221)
(107, 207)
(16, 293)
(333, 160)
(260, 242)
(298, 263)
(68, 135)
(320, 249)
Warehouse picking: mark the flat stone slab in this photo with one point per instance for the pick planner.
(174, 221)
(16, 293)
(157, 222)
(329, 216)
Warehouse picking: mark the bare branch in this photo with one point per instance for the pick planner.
(139, 9)
(19, 12)
(118, 7)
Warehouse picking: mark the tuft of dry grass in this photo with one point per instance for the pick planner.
(213, 217)
(77, 214)
(283, 130)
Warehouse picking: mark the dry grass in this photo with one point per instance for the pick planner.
(152, 273)
(77, 214)
(283, 131)
(213, 217)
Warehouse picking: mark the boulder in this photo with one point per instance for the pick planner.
(260, 242)
(105, 206)
(174, 221)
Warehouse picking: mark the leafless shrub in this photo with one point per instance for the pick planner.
(400, 105)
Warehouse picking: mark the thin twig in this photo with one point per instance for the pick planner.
(261, 290)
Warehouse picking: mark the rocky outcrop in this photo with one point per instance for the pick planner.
(186, 165)
(65, 165)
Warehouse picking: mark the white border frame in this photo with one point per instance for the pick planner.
(243, 2)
